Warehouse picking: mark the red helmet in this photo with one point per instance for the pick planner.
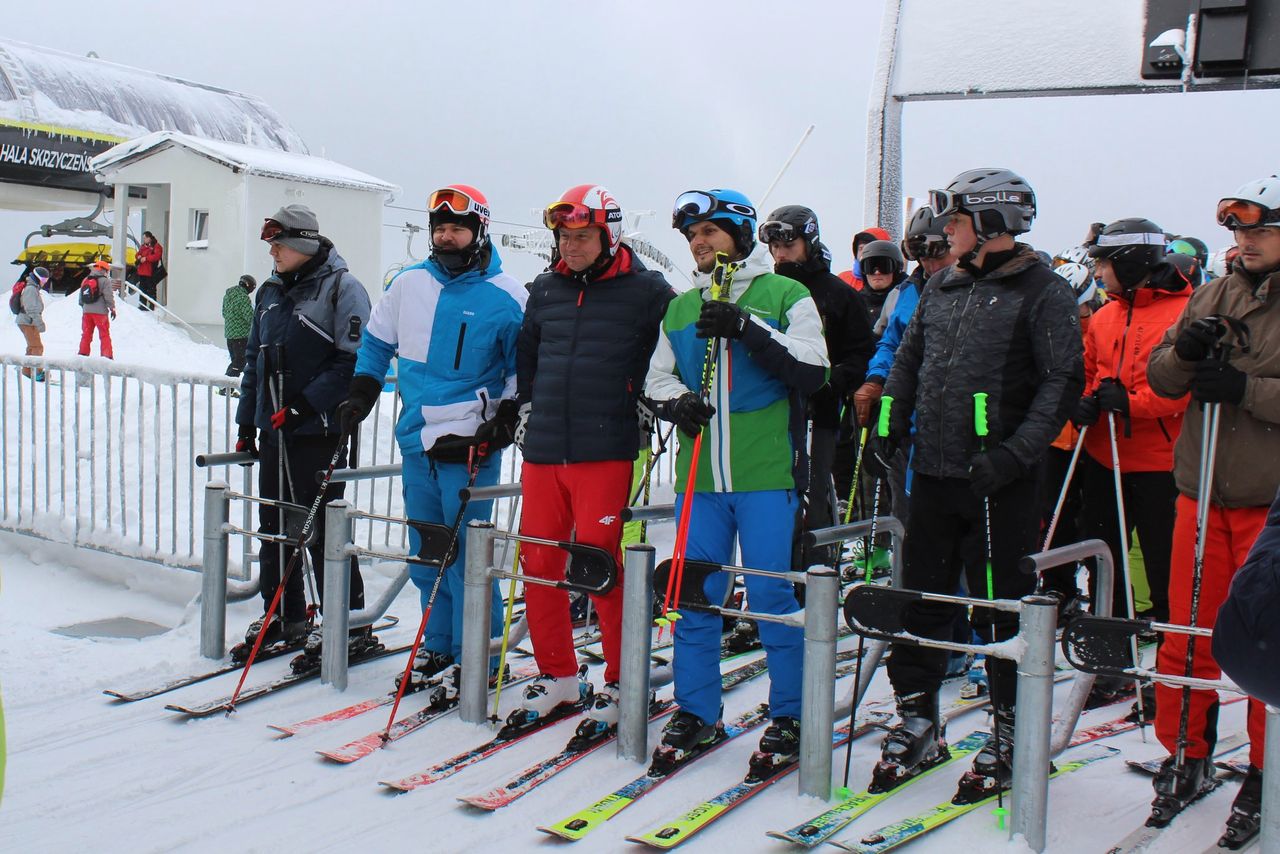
(462, 204)
(587, 205)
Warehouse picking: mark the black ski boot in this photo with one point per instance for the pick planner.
(360, 643)
(1246, 812)
(1176, 788)
(744, 638)
(684, 736)
(914, 745)
(288, 634)
(1148, 707)
(426, 663)
(1107, 690)
(992, 769)
(779, 747)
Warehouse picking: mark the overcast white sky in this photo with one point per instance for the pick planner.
(524, 99)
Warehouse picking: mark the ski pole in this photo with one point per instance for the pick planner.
(1062, 496)
(980, 427)
(721, 287)
(473, 469)
(1124, 563)
(506, 634)
(299, 545)
(853, 491)
(882, 430)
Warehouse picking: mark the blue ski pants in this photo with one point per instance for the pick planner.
(431, 495)
(764, 524)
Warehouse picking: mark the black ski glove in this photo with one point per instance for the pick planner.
(1113, 396)
(362, 394)
(688, 412)
(1086, 412)
(878, 458)
(721, 320)
(500, 430)
(1197, 340)
(991, 471)
(247, 440)
(1216, 381)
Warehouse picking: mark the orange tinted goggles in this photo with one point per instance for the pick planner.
(1242, 213)
(451, 200)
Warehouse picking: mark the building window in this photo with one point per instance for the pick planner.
(199, 225)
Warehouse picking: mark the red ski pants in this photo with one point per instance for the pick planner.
(1229, 535)
(90, 322)
(581, 502)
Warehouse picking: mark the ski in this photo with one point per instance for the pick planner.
(1230, 744)
(584, 821)
(537, 774)
(680, 830)
(224, 704)
(271, 651)
(449, 767)
(899, 833)
(367, 745)
(822, 827)
(521, 674)
(1144, 836)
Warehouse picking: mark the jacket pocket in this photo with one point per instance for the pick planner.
(457, 353)
(1167, 437)
(314, 327)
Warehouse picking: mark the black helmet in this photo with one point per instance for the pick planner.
(881, 256)
(999, 200)
(924, 237)
(1134, 246)
(1177, 271)
(248, 282)
(791, 222)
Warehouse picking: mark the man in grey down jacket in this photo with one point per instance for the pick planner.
(997, 322)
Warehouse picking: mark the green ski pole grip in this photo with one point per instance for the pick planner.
(886, 404)
(980, 413)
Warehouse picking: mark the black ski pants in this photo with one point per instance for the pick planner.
(947, 537)
(1149, 500)
(306, 455)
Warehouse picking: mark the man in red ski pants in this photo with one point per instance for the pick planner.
(590, 325)
(1245, 383)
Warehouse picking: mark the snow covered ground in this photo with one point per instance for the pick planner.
(85, 772)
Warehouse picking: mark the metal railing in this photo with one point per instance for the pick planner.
(102, 455)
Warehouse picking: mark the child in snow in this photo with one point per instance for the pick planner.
(29, 311)
(97, 301)
(237, 317)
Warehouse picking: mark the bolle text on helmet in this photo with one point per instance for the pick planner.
(1012, 197)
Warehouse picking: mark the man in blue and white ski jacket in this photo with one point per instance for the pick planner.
(453, 321)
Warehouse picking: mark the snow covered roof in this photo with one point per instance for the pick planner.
(49, 89)
(244, 158)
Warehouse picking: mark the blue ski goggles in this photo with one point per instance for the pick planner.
(698, 205)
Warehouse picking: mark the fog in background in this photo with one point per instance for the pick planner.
(524, 100)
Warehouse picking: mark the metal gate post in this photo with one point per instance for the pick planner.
(1270, 830)
(337, 595)
(476, 600)
(637, 644)
(213, 581)
(817, 693)
(1034, 721)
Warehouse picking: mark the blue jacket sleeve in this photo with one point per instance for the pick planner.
(374, 356)
(882, 362)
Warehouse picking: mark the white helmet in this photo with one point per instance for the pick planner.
(1257, 203)
(1217, 266)
(1075, 255)
(1080, 279)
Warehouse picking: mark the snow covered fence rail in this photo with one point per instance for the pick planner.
(102, 455)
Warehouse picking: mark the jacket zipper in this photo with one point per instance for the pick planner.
(1167, 437)
(568, 377)
(960, 322)
(302, 318)
(457, 354)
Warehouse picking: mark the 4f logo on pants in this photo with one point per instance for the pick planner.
(608, 520)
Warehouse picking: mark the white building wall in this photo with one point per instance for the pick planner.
(352, 219)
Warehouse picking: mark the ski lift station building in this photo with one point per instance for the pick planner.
(198, 166)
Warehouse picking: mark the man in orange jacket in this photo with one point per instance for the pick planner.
(1147, 299)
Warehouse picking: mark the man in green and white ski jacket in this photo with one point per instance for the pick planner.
(752, 458)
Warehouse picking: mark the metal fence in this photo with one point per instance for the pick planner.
(102, 455)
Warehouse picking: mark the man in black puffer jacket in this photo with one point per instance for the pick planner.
(1001, 323)
(792, 235)
(591, 323)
